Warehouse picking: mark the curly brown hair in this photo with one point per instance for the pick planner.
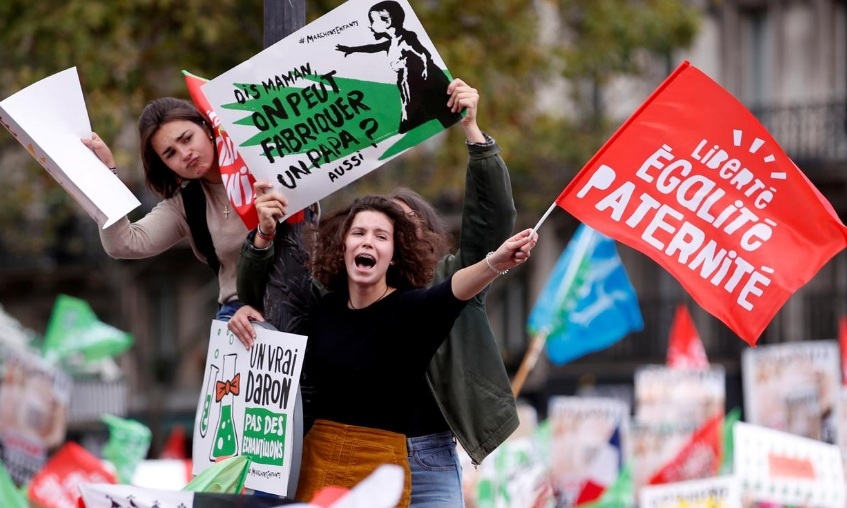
(414, 249)
(160, 178)
(426, 214)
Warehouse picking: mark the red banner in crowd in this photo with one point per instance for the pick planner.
(699, 458)
(694, 181)
(57, 484)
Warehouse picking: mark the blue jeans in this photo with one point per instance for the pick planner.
(227, 310)
(436, 471)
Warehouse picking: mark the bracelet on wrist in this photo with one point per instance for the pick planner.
(488, 262)
(265, 236)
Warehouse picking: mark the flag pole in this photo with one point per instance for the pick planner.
(528, 362)
(543, 218)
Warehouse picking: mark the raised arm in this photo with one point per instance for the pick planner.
(488, 210)
(272, 272)
(468, 282)
(153, 234)
(258, 253)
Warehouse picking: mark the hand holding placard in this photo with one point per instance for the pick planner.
(49, 118)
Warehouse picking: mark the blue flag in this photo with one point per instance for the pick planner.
(588, 302)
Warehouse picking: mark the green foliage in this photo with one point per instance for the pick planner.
(609, 35)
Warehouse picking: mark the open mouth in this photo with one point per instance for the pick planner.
(364, 261)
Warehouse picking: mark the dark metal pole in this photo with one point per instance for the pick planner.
(282, 18)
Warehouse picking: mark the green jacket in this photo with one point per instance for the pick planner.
(466, 375)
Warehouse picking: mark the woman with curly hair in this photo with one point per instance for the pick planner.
(372, 336)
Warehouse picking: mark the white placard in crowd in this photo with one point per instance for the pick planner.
(777, 467)
(588, 443)
(794, 387)
(717, 492)
(673, 396)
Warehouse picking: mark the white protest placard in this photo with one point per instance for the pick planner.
(49, 118)
(247, 404)
(672, 396)
(777, 467)
(794, 387)
(335, 100)
(717, 492)
(588, 443)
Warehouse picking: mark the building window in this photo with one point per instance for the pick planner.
(756, 56)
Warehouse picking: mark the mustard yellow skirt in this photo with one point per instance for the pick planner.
(343, 455)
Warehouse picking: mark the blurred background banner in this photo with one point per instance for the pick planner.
(700, 457)
(685, 349)
(777, 467)
(128, 444)
(588, 302)
(588, 446)
(794, 387)
(672, 396)
(74, 330)
(10, 495)
(34, 397)
(718, 492)
(57, 484)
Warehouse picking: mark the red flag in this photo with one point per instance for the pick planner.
(590, 492)
(175, 445)
(842, 343)
(238, 180)
(57, 484)
(694, 181)
(699, 458)
(685, 349)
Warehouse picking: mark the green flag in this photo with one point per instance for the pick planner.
(225, 477)
(10, 495)
(74, 329)
(733, 416)
(128, 444)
